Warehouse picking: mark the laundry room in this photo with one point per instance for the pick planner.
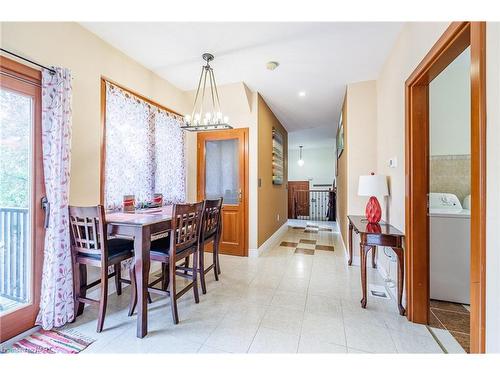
(449, 201)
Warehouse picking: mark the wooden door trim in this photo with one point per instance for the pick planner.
(25, 316)
(200, 177)
(454, 40)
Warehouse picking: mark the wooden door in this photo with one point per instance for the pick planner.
(223, 171)
(298, 190)
(21, 190)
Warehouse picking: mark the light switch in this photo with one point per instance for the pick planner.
(393, 162)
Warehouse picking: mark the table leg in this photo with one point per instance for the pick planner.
(374, 256)
(142, 243)
(401, 270)
(363, 254)
(350, 244)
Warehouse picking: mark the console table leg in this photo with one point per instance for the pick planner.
(401, 270)
(350, 245)
(374, 256)
(363, 254)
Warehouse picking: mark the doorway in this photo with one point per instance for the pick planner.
(455, 40)
(298, 199)
(21, 190)
(223, 172)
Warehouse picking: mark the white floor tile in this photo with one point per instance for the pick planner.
(272, 341)
(280, 302)
(370, 338)
(314, 346)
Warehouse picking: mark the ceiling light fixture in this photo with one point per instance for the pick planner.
(302, 93)
(300, 162)
(271, 65)
(213, 119)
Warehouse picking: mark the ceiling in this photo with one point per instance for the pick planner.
(316, 58)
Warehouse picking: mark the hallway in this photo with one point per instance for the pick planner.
(281, 302)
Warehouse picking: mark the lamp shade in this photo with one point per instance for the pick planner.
(373, 185)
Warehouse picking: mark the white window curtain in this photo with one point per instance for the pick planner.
(56, 297)
(144, 150)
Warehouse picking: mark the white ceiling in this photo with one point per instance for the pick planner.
(318, 58)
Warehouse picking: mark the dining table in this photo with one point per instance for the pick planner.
(143, 225)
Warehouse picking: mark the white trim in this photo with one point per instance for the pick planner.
(22, 335)
(270, 242)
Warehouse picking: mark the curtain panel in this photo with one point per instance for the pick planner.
(144, 150)
(56, 299)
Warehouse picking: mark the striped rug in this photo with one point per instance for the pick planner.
(51, 342)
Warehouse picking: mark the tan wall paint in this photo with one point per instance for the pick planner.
(359, 156)
(413, 43)
(362, 155)
(341, 180)
(72, 46)
(273, 199)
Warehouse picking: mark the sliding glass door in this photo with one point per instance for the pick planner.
(21, 190)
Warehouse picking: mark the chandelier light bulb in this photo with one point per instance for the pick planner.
(300, 162)
(206, 90)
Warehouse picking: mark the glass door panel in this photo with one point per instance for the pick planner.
(22, 232)
(222, 170)
(16, 116)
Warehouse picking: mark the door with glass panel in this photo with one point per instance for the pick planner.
(21, 191)
(223, 172)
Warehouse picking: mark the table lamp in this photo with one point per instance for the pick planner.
(372, 186)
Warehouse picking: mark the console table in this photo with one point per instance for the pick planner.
(373, 235)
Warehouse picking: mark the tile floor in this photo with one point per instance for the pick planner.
(454, 318)
(280, 302)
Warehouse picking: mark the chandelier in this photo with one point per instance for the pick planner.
(212, 119)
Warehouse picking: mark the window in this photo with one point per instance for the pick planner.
(144, 150)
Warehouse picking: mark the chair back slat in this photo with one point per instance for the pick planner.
(88, 228)
(211, 217)
(186, 225)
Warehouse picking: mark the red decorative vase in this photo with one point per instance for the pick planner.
(373, 211)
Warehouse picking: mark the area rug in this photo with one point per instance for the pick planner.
(51, 342)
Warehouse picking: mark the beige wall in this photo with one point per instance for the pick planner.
(70, 45)
(413, 43)
(341, 180)
(493, 187)
(273, 199)
(360, 152)
(362, 155)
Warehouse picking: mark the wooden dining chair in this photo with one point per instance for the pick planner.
(211, 231)
(182, 242)
(90, 246)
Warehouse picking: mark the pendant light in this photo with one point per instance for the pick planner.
(212, 119)
(300, 162)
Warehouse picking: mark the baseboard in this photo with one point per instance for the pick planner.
(270, 242)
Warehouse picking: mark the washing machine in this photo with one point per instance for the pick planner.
(449, 248)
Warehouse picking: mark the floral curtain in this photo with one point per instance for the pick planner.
(170, 169)
(56, 299)
(144, 150)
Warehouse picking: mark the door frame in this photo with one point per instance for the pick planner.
(218, 135)
(25, 316)
(457, 37)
